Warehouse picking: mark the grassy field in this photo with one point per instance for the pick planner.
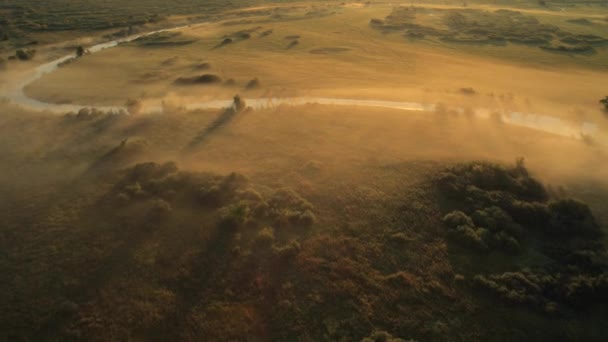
(338, 53)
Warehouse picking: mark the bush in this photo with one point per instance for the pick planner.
(585, 290)
(288, 252)
(471, 237)
(604, 103)
(80, 51)
(25, 55)
(238, 104)
(264, 239)
(506, 242)
(234, 215)
(161, 209)
(134, 106)
(531, 214)
(254, 83)
(572, 218)
(457, 218)
(202, 79)
(514, 287)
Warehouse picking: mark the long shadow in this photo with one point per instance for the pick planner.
(223, 119)
(191, 291)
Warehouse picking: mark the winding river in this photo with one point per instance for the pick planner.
(541, 122)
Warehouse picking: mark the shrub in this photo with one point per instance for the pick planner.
(202, 79)
(254, 83)
(584, 290)
(238, 104)
(25, 55)
(534, 214)
(468, 91)
(289, 251)
(265, 238)
(133, 106)
(161, 209)
(495, 219)
(604, 103)
(234, 215)
(471, 237)
(307, 218)
(80, 51)
(569, 217)
(457, 218)
(506, 242)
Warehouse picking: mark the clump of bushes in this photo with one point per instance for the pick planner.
(253, 84)
(545, 291)
(25, 55)
(504, 208)
(202, 79)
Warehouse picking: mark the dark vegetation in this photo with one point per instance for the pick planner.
(484, 27)
(266, 33)
(21, 16)
(328, 50)
(554, 258)
(163, 39)
(202, 79)
(239, 36)
(106, 246)
(604, 103)
(253, 84)
(238, 105)
(25, 55)
(293, 43)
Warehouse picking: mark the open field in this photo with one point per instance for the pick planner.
(349, 58)
(212, 202)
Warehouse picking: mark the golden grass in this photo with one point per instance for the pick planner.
(376, 65)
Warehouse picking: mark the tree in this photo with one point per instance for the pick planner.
(604, 102)
(134, 106)
(80, 51)
(238, 104)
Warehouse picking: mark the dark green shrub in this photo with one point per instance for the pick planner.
(254, 83)
(234, 215)
(572, 218)
(265, 238)
(604, 103)
(470, 237)
(25, 55)
(288, 251)
(457, 218)
(506, 242)
(531, 214)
